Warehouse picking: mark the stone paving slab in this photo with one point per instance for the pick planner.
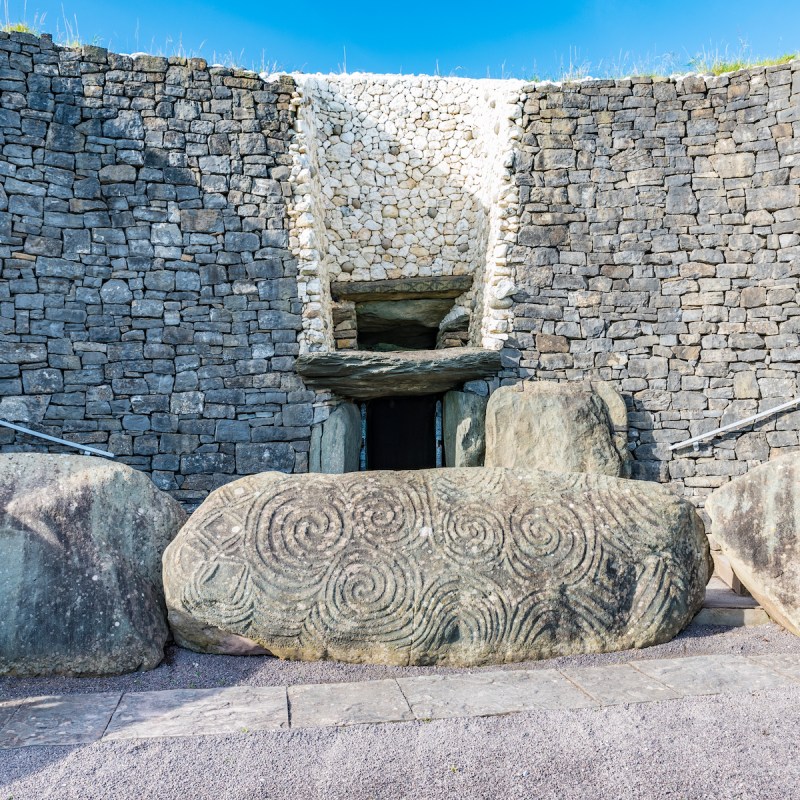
(711, 674)
(786, 663)
(197, 712)
(7, 709)
(65, 719)
(485, 694)
(79, 719)
(619, 683)
(327, 704)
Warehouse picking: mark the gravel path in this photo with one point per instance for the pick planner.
(185, 669)
(725, 747)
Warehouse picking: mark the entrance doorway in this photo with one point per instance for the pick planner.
(402, 432)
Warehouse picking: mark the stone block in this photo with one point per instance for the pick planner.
(268, 457)
(564, 427)
(336, 443)
(464, 429)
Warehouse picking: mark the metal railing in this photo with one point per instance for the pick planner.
(84, 448)
(695, 440)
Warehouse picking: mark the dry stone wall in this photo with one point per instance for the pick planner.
(148, 301)
(660, 249)
(169, 231)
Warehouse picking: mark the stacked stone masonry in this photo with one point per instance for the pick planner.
(169, 232)
(659, 249)
(148, 301)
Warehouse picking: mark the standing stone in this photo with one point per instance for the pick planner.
(756, 520)
(449, 566)
(336, 443)
(464, 429)
(81, 541)
(563, 427)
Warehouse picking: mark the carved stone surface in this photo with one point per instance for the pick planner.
(756, 520)
(81, 541)
(563, 427)
(364, 375)
(448, 566)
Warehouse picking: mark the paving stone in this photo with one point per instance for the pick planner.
(7, 709)
(196, 712)
(619, 683)
(712, 674)
(732, 617)
(785, 663)
(65, 719)
(487, 693)
(327, 704)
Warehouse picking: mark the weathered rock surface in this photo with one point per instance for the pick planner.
(464, 429)
(81, 541)
(756, 520)
(563, 427)
(457, 566)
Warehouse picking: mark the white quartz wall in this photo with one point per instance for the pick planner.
(401, 176)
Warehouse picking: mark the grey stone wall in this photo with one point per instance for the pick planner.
(660, 249)
(148, 302)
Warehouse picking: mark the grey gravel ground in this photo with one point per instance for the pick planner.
(185, 669)
(723, 747)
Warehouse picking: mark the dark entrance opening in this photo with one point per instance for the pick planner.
(401, 432)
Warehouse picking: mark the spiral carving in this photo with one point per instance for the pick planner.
(472, 533)
(459, 566)
(369, 596)
(295, 539)
(390, 515)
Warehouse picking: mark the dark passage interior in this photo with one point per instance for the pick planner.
(401, 432)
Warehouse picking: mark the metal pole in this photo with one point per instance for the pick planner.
(84, 448)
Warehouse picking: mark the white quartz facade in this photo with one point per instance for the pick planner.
(405, 176)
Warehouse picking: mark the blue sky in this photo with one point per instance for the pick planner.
(521, 39)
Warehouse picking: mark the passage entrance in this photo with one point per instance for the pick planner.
(403, 432)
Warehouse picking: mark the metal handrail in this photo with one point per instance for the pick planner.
(84, 448)
(695, 440)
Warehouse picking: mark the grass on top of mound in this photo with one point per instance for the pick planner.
(719, 66)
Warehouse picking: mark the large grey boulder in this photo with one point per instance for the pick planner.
(755, 518)
(563, 427)
(81, 541)
(448, 566)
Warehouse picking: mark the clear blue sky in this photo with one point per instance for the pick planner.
(522, 39)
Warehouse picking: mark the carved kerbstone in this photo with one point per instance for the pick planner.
(449, 566)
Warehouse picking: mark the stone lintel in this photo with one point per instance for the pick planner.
(364, 375)
(444, 286)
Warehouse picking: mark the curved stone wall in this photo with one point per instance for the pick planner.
(168, 233)
(660, 249)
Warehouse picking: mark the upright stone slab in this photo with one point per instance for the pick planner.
(756, 520)
(81, 541)
(464, 429)
(448, 566)
(563, 427)
(336, 443)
